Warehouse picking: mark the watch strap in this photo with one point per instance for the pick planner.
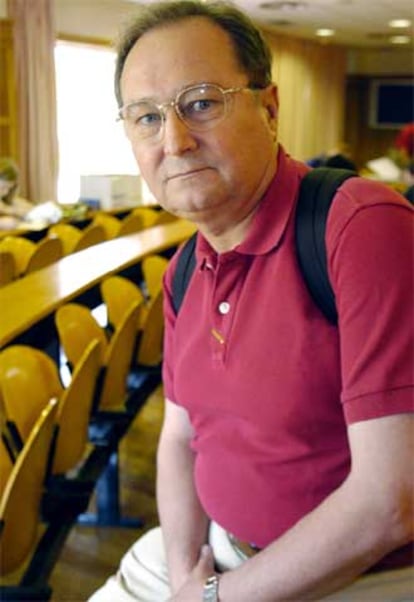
(210, 591)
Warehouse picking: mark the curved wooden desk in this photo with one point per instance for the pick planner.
(25, 302)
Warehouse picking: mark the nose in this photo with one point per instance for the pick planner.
(178, 138)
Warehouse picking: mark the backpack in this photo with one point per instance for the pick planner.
(316, 193)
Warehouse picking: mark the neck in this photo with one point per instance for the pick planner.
(225, 230)
(224, 238)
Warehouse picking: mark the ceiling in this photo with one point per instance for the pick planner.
(356, 22)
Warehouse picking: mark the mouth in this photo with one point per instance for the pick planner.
(187, 174)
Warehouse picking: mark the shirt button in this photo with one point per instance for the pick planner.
(224, 308)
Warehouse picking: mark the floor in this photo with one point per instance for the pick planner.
(91, 554)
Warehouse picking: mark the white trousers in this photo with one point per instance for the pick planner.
(142, 575)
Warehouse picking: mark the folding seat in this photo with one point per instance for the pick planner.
(164, 217)
(153, 268)
(6, 465)
(118, 294)
(7, 267)
(91, 235)
(21, 497)
(76, 326)
(130, 224)
(109, 223)
(30, 256)
(149, 216)
(21, 248)
(74, 412)
(121, 393)
(68, 235)
(29, 378)
(150, 344)
(47, 251)
(73, 239)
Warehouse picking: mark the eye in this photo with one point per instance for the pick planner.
(142, 115)
(148, 119)
(202, 108)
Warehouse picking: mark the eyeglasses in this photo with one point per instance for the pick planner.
(200, 107)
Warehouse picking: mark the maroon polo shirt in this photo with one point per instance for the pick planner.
(269, 385)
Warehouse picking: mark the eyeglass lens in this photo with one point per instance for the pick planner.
(199, 107)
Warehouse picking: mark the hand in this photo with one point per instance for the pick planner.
(192, 589)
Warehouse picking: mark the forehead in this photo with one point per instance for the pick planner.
(175, 55)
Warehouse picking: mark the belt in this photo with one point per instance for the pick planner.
(243, 548)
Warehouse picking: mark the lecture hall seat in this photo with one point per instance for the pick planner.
(21, 498)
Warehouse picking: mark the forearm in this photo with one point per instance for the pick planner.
(183, 522)
(322, 553)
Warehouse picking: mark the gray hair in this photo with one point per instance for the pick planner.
(251, 50)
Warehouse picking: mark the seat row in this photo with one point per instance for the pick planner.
(20, 256)
(58, 441)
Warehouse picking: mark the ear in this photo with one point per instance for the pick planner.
(270, 102)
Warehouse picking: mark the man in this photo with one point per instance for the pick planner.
(287, 442)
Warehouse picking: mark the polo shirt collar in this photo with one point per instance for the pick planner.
(272, 214)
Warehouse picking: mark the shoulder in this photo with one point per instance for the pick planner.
(361, 200)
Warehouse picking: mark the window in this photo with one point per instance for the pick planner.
(90, 139)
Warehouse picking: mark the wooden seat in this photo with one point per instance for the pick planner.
(30, 256)
(21, 249)
(150, 347)
(109, 223)
(130, 224)
(74, 412)
(47, 251)
(21, 498)
(28, 380)
(113, 413)
(92, 235)
(164, 217)
(149, 216)
(68, 235)
(73, 239)
(7, 267)
(76, 326)
(153, 269)
(6, 465)
(118, 294)
(118, 362)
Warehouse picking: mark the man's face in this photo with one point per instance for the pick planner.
(193, 173)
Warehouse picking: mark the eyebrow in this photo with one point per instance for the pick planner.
(174, 95)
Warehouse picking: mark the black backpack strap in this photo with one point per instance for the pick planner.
(317, 191)
(184, 269)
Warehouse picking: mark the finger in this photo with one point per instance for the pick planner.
(206, 558)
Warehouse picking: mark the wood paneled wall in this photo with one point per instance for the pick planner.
(8, 95)
(311, 80)
(366, 142)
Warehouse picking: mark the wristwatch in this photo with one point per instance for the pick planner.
(210, 591)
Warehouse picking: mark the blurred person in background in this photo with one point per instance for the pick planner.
(11, 203)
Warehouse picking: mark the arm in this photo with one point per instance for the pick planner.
(369, 515)
(183, 522)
